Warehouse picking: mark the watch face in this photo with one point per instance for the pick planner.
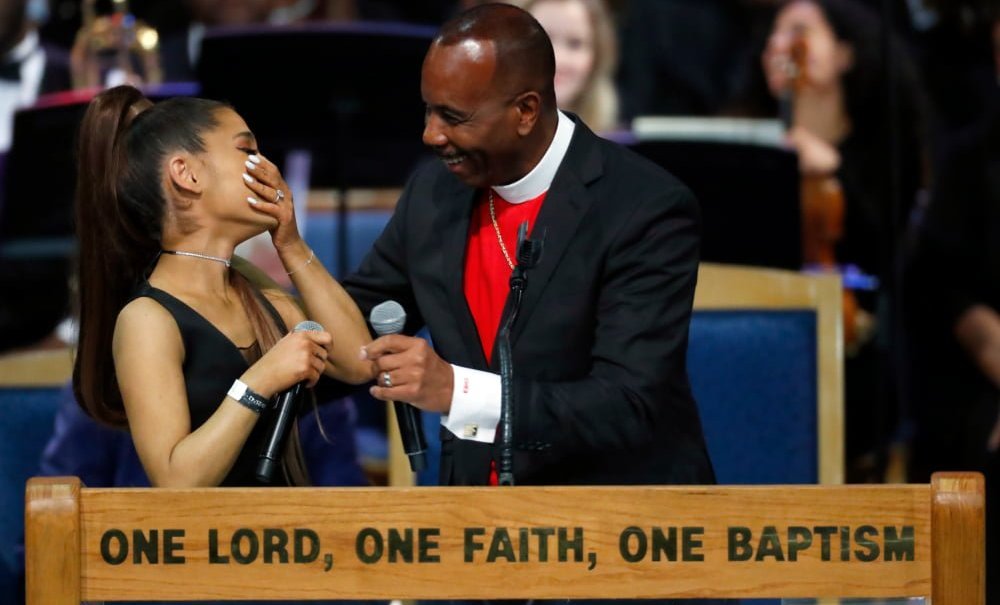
(237, 390)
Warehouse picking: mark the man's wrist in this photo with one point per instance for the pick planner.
(448, 392)
(475, 405)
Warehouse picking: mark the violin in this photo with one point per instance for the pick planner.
(822, 201)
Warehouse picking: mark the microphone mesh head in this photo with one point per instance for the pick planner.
(307, 326)
(388, 318)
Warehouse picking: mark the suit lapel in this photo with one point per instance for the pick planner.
(565, 205)
(454, 213)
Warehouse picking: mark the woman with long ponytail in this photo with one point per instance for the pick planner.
(175, 342)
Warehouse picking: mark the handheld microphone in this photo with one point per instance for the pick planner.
(389, 318)
(282, 420)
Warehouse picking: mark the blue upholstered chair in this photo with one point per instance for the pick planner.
(29, 396)
(766, 366)
(364, 226)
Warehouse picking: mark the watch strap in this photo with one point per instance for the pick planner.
(248, 397)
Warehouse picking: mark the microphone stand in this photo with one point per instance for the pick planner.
(528, 253)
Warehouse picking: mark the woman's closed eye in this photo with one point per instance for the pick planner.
(248, 150)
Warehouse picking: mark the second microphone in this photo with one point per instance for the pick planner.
(389, 318)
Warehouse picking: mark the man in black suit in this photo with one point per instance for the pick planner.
(600, 384)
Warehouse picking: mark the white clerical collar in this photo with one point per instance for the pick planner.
(23, 49)
(538, 181)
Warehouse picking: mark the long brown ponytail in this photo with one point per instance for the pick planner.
(120, 204)
(112, 250)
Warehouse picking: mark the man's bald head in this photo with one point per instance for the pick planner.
(524, 56)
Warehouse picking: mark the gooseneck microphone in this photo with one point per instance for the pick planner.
(389, 318)
(282, 420)
(529, 252)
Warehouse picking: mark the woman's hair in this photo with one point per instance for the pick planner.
(865, 81)
(597, 103)
(120, 206)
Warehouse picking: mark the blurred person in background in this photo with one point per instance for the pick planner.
(839, 124)
(28, 68)
(29, 305)
(426, 12)
(179, 49)
(686, 57)
(583, 37)
(955, 48)
(953, 314)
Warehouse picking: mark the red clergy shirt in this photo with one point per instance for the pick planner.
(487, 274)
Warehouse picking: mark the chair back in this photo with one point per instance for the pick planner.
(765, 362)
(30, 384)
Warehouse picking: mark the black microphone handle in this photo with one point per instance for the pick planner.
(411, 432)
(282, 420)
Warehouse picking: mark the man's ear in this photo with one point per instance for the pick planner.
(528, 105)
(184, 174)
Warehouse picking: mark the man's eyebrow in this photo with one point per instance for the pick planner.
(448, 109)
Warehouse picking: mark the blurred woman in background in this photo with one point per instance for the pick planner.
(953, 309)
(824, 69)
(583, 38)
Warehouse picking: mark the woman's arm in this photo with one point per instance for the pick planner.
(325, 300)
(978, 331)
(329, 304)
(149, 353)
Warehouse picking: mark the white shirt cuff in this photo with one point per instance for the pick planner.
(475, 405)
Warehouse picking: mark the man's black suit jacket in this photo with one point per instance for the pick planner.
(601, 387)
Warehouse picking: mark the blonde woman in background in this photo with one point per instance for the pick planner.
(586, 56)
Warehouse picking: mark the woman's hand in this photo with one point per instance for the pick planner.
(274, 198)
(816, 156)
(298, 357)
